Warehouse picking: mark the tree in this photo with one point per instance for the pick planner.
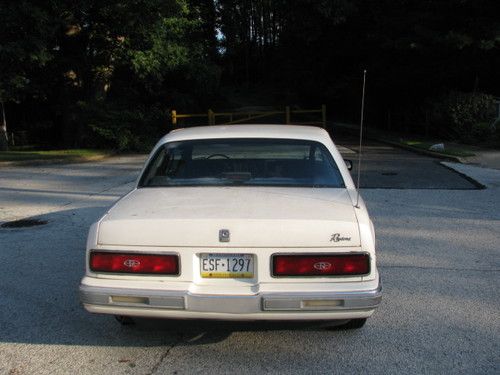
(316, 49)
(69, 67)
(25, 47)
(126, 54)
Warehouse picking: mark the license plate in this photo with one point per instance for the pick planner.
(225, 266)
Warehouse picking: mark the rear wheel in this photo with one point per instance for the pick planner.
(124, 320)
(339, 325)
(354, 323)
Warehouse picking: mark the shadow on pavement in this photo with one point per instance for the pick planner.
(39, 302)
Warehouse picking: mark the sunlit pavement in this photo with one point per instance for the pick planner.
(32, 190)
(438, 256)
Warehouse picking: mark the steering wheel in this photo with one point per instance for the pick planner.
(217, 155)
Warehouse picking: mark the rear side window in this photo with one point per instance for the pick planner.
(244, 162)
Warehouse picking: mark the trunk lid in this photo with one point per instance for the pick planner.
(254, 216)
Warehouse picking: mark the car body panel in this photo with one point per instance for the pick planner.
(255, 217)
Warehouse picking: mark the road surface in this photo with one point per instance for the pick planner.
(438, 257)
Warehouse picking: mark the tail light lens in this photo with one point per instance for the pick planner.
(104, 261)
(321, 265)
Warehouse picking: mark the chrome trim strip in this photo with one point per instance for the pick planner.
(223, 304)
(369, 299)
(156, 298)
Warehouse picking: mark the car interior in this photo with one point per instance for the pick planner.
(259, 163)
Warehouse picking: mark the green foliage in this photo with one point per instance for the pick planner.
(495, 140)
(448, 150)
(167, 51)
(133, 129)
(25, 47)
(87, 71)
(467, 117)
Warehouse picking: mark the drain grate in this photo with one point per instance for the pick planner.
(23, 223)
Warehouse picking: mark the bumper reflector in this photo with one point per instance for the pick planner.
(298, 304)
(321, 265)
(127, 299)
(105, 261)
(322, 303)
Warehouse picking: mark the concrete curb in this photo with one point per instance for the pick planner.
(416, 150)
(473, 181)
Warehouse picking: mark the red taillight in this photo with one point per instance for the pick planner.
(321, 265)
(103, 261)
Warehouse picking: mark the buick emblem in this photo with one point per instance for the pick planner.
(224, 235)
(322, 266)
(131, 263)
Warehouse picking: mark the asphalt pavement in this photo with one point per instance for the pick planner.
(437, 239)
(386, 167)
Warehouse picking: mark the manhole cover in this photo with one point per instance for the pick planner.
(23, 223)
(389, 173)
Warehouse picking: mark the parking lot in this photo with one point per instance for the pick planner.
(438, 252)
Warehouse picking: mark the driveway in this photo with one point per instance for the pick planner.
(387, 167)
(438, 257)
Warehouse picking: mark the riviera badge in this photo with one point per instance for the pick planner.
(336, 237)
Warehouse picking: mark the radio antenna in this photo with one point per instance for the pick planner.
(361, 137)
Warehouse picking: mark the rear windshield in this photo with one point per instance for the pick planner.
(245, 162)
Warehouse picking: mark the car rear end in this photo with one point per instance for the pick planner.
(282, 284)
(237, 251)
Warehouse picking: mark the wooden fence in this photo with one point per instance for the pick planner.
(242, 117)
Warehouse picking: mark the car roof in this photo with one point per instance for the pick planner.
(313, 133)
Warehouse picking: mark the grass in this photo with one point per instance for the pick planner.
(420, 143)
(453, 150)
(65, 155)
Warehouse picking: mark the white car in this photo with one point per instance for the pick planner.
(240, 222)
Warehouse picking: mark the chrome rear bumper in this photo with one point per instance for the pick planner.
(116, 300)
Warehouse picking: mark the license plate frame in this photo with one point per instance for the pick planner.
(215, 266)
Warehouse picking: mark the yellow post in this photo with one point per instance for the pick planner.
(287, 115)
(323, 115)
(174, 118)
(211, 119)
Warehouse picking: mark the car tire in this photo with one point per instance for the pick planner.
(354, 323)
(124, 320)
(342, 325)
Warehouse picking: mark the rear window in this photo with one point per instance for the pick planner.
(242, 162)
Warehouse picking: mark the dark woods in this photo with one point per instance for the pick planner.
(106, 74)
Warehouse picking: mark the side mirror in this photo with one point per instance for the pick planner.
(348, 164)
